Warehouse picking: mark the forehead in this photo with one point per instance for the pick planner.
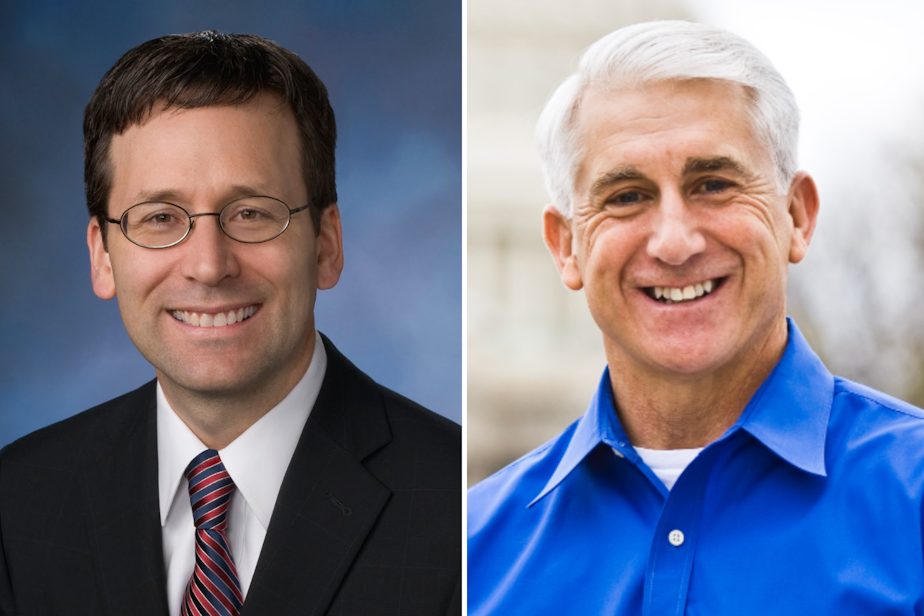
(663, 125)
(202, 152)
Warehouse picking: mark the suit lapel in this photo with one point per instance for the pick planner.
(123, 512)
(328, 502)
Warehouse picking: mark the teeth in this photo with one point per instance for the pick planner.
(219, 319)
(672, 295)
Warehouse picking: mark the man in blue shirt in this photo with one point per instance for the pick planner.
(720, 468)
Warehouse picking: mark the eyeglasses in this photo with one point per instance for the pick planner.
(251, 220)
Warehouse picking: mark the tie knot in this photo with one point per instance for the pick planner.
(210, 489)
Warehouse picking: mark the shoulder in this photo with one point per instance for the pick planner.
(513, 487)
(876, 432)
(862, 413)
(858, 396)
(354, 388)
(76, 442)
(393, 434)
(410, 420)
(424, 452)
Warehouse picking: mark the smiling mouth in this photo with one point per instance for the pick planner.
(216, 319)
(679, 295)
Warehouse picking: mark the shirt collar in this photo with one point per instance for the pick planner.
(257, 459)
(788, 414)
(599, 424)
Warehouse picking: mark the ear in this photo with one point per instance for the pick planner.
(100, 267)
(330, 248)
(803, 209)
(559, 237)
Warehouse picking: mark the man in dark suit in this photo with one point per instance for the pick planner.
(261, 473)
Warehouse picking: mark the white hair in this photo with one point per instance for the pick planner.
(658, 51)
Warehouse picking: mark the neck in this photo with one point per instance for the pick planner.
(217, 418)
(671, 411)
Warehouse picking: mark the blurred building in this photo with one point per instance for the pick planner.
(534, 353)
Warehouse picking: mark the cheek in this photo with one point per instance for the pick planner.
(766, 225)
(606, 254)
(612, 239)
(758, 248)
(135, 278)
(770, 249)
(293, 273)
(742, 231)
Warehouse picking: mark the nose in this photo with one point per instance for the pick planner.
(675, 236)
(209, 256)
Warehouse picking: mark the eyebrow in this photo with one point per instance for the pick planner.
(172, 195)
(717, 163)
(155, 195)
(614, 177)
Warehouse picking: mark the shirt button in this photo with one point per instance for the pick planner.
(676, 538)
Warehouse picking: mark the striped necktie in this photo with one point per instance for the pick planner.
(213, 589)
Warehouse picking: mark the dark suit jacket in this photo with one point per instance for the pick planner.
(368, 519)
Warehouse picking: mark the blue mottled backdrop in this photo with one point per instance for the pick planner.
(393, 70)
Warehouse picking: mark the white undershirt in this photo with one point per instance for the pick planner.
(256, 461)
(668, 464)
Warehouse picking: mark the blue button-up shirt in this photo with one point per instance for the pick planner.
(809, 504)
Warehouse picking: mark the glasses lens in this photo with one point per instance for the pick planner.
(155, 225)
(255, 219)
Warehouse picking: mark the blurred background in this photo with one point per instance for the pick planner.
(393, 71)
(534, 353)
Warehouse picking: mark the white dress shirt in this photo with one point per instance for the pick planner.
(256, 461)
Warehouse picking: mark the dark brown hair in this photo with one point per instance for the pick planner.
(202, 69)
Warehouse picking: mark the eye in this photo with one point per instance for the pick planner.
(628, 197)
(248, 214)
(714, 186)
(160, 218)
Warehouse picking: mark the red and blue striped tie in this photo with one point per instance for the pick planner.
(214, 589)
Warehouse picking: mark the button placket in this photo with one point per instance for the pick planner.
(670, 565)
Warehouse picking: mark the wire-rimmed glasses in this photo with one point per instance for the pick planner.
(251, 220)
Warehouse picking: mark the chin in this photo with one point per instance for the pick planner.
(690, 356)
(214, 379)
(687, 366)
